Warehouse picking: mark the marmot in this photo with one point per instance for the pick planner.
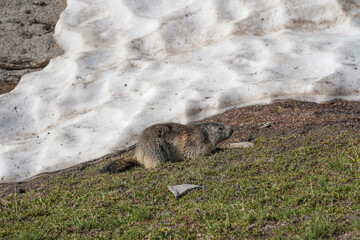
(172, 142)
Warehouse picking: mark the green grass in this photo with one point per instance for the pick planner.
(293, 187)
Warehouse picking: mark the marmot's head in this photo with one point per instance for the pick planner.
(217, 132)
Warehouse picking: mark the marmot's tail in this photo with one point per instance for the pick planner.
(120, 165)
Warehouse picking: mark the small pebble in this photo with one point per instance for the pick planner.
(267, 125)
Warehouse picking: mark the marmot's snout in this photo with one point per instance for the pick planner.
(220, 131)
(229, 132)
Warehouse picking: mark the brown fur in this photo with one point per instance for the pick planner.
(120, 165)
(172, 142)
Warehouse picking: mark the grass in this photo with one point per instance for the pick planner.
(293, 187)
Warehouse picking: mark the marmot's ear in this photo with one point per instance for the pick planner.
(163, 131)
(209, 126)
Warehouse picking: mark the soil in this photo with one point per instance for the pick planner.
(278, 119)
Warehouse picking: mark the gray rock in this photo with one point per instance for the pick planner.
(26, 38)
(267, 125)
(181, 190)
(241, 145)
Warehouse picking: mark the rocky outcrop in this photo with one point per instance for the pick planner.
(26, 38)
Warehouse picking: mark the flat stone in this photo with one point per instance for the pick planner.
(241, 145)
(181, 190)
